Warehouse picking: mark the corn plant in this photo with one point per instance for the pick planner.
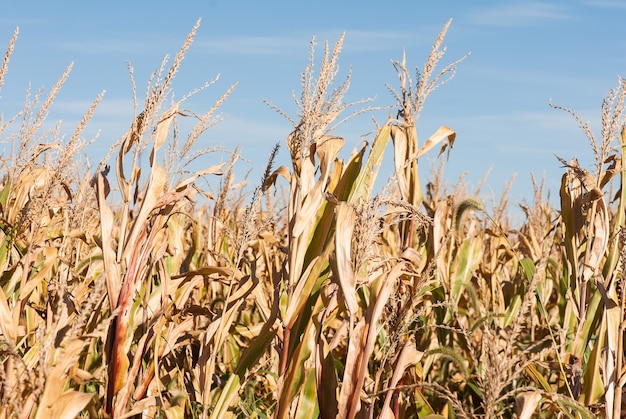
(135, 291)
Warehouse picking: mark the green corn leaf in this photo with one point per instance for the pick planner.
(464, 264)
(294, 378)
(250, 356)
(528, 267)
(4, 193)
(513, 310)
(307, 402)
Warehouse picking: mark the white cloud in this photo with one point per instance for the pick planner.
(519, 14)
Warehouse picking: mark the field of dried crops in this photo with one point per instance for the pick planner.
(127, 290)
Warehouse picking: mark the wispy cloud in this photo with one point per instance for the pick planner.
(609, 4)
(519, 14)
(109, 46)
(10, 22)
(252, 45)
(109, 108)
(355, 41)
(365, 41)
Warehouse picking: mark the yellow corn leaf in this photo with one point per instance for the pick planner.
(215, 334)
(593, 389)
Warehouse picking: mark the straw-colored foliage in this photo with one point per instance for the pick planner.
(127, 289)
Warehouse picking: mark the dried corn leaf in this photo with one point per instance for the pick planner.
(107, 220)
(309, 208)
(281, 171)
(362, 342)
(304, 288)
(409, 356)
(155, 188)
(526, 403)
(67, 405)
(327, 149)
(401, 158)
(367, 177)
(613, 316)
(9, 329)
(343, 248)
(444, 134)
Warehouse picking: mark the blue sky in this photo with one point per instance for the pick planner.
(523, 53)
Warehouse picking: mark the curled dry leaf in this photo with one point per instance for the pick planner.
(444, 134)
(327, 149)
(526, 403)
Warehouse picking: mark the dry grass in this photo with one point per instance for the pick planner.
(312, 295)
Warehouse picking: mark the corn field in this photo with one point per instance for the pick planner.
(127, 290)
